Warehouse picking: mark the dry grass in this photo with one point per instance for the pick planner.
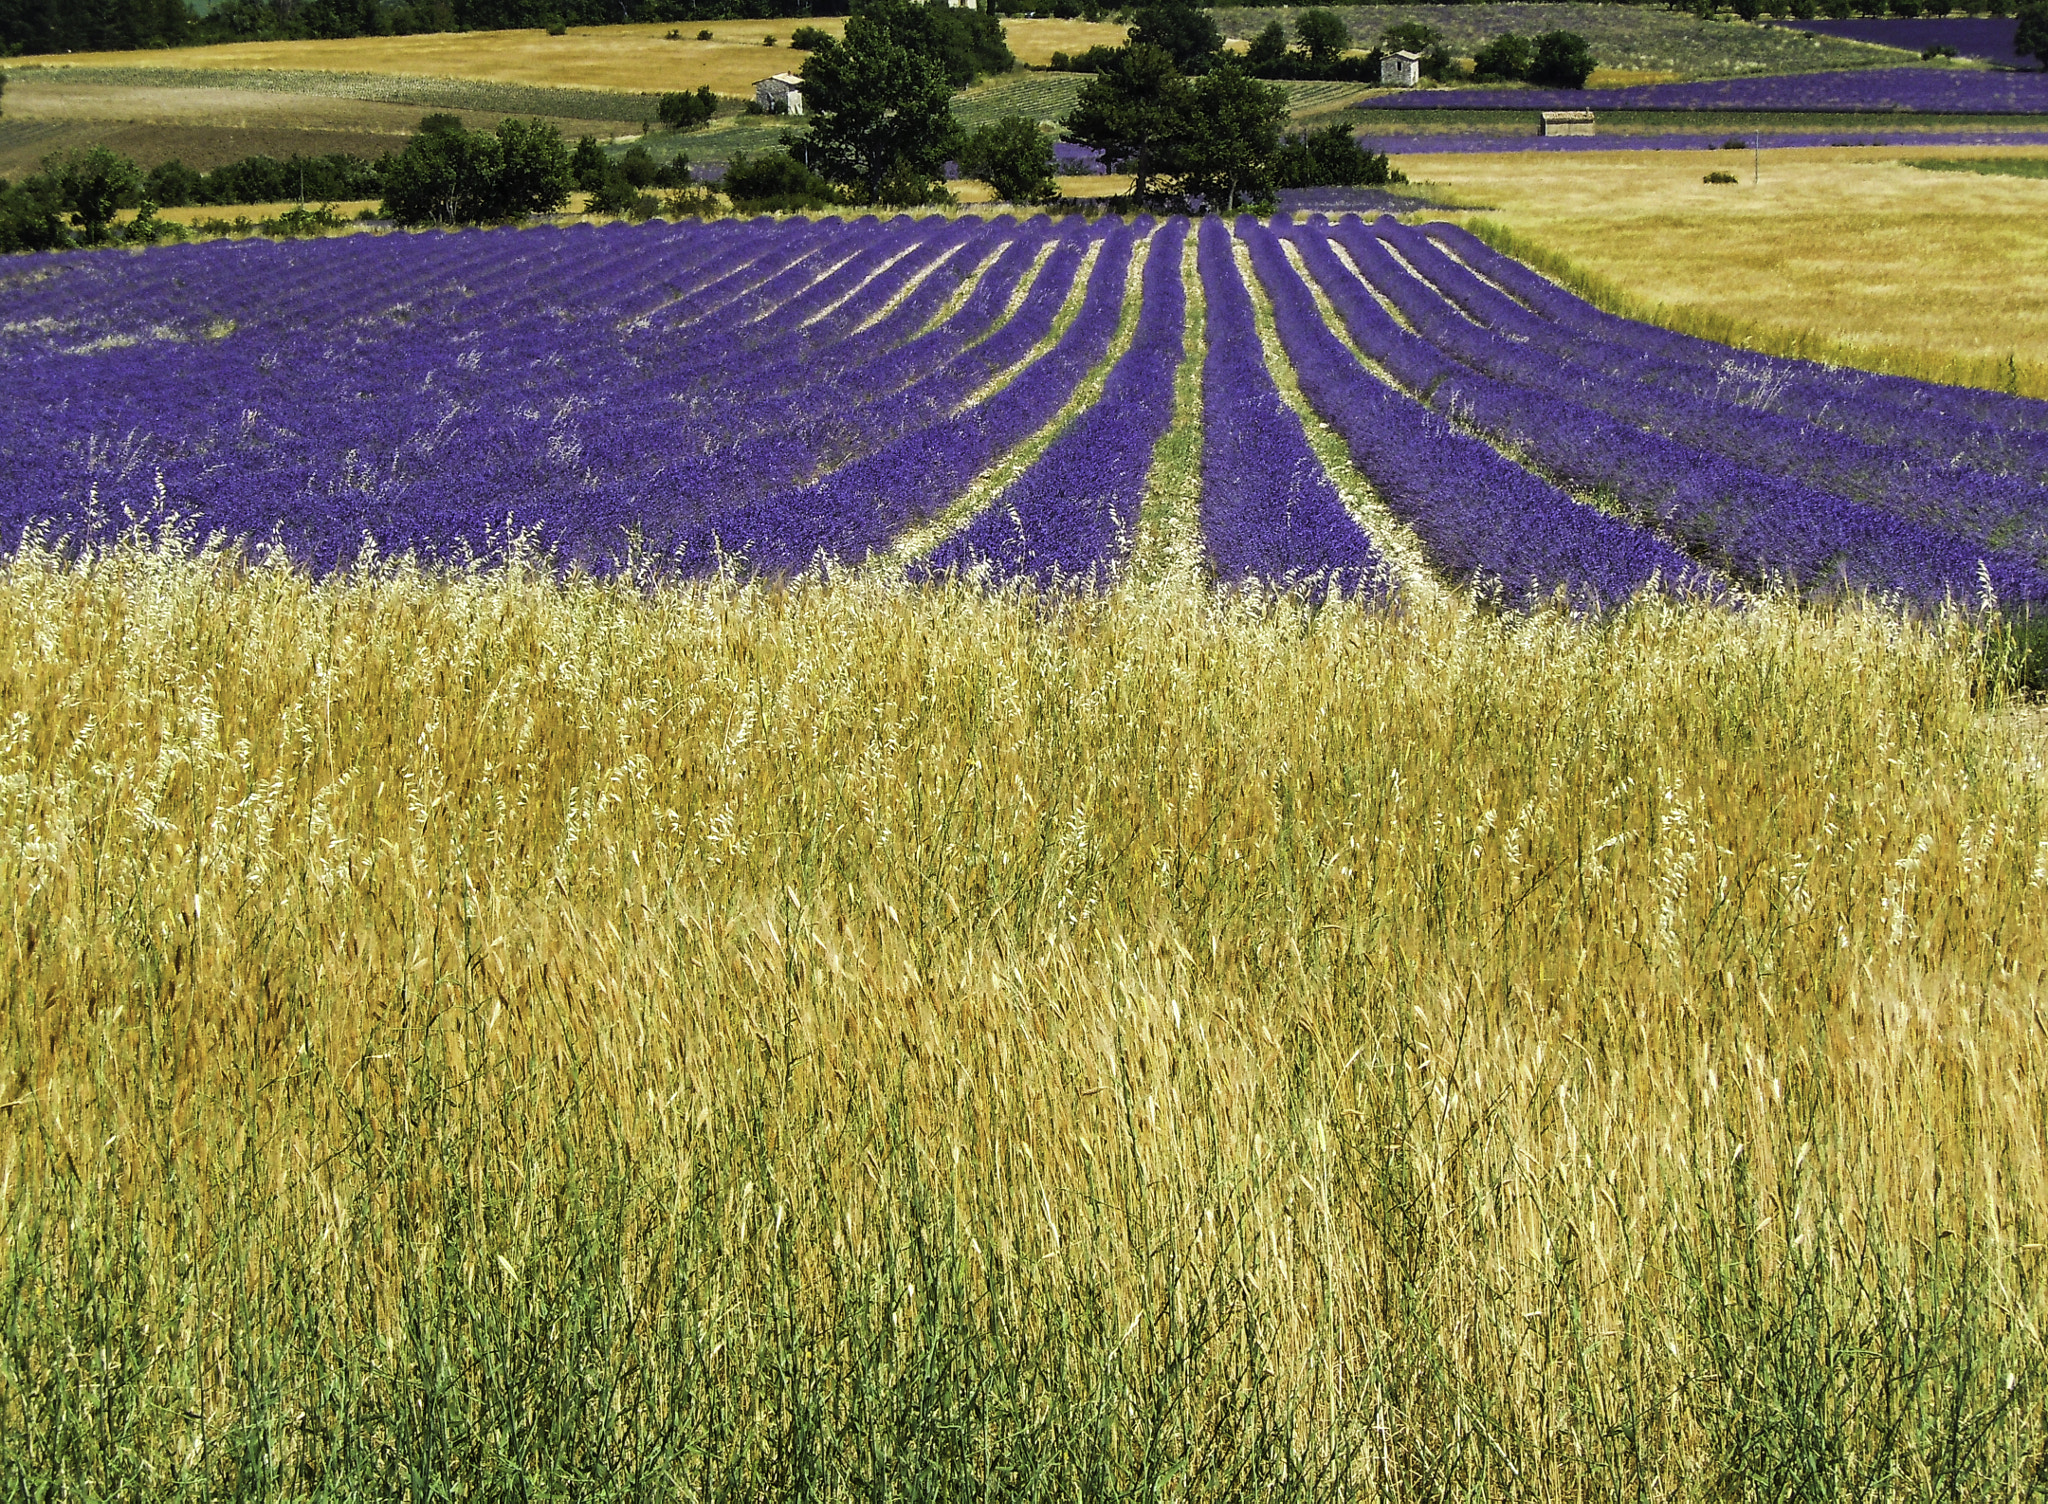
(1837, 254)
(635, 58)
(724, 1041)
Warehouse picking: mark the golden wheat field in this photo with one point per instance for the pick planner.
(516, 1038)
(638, 58)
(1847, 254)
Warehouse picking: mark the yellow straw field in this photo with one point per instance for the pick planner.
(1846, 254)
(635, 58)
(486, 1036)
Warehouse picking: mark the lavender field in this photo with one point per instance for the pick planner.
(985, 397)
(1913, 90)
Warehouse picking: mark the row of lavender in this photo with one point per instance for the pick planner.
(1530, 440)
(765, 396)
(767, 391)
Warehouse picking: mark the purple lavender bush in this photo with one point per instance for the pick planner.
(1269, 510)
(1485, 521)
(1069, 517)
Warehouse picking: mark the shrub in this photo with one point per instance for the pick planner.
(775, 181)
(704, 35)
(1563, 60)
(587, 164)
(691, 201)
(448, 175)
(173, 184)
(808, 38)
(1507, 58)
(1720, 177)
(685, 112)
(1014, 157)
(639, 167)
(1330, 158)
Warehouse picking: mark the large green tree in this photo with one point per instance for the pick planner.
(1135, 112)
(1187, 35)
(881, 122)
(93, 184)
(1322, 34)
(449, 175)
(1562, 60)
(1226, 158)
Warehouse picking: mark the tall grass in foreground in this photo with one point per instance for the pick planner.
(488, 1038)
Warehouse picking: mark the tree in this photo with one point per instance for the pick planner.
(449, 175)
(442, 177)
(1268, 47)
(2030, 38)
(880, 118)
(173, 184)
(774, 181)
(1411, 36)
(1014, 157)
(32, 216)
(1507, 57)
(1134, 113)
(1563, 60)
(1187, 35)
(1323, 35)
(533, 170)
(685, 112)
(1233, 136)
(1328, 158)
(93, 184)
(587, 164)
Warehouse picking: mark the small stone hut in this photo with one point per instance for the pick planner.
(1403, 70)
(1565, 123)
(780, 94)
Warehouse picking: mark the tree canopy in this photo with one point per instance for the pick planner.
(879, 106)
(1187, 35)
(450, 175)
(1322, 34)
(2030, 38)
(1014, 157)
(1212, 139)
(1563, 60)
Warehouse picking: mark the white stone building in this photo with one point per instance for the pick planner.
(780, 94)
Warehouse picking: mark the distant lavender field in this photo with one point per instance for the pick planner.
(1934, 91)
(1986, 37)
(1477, 141)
